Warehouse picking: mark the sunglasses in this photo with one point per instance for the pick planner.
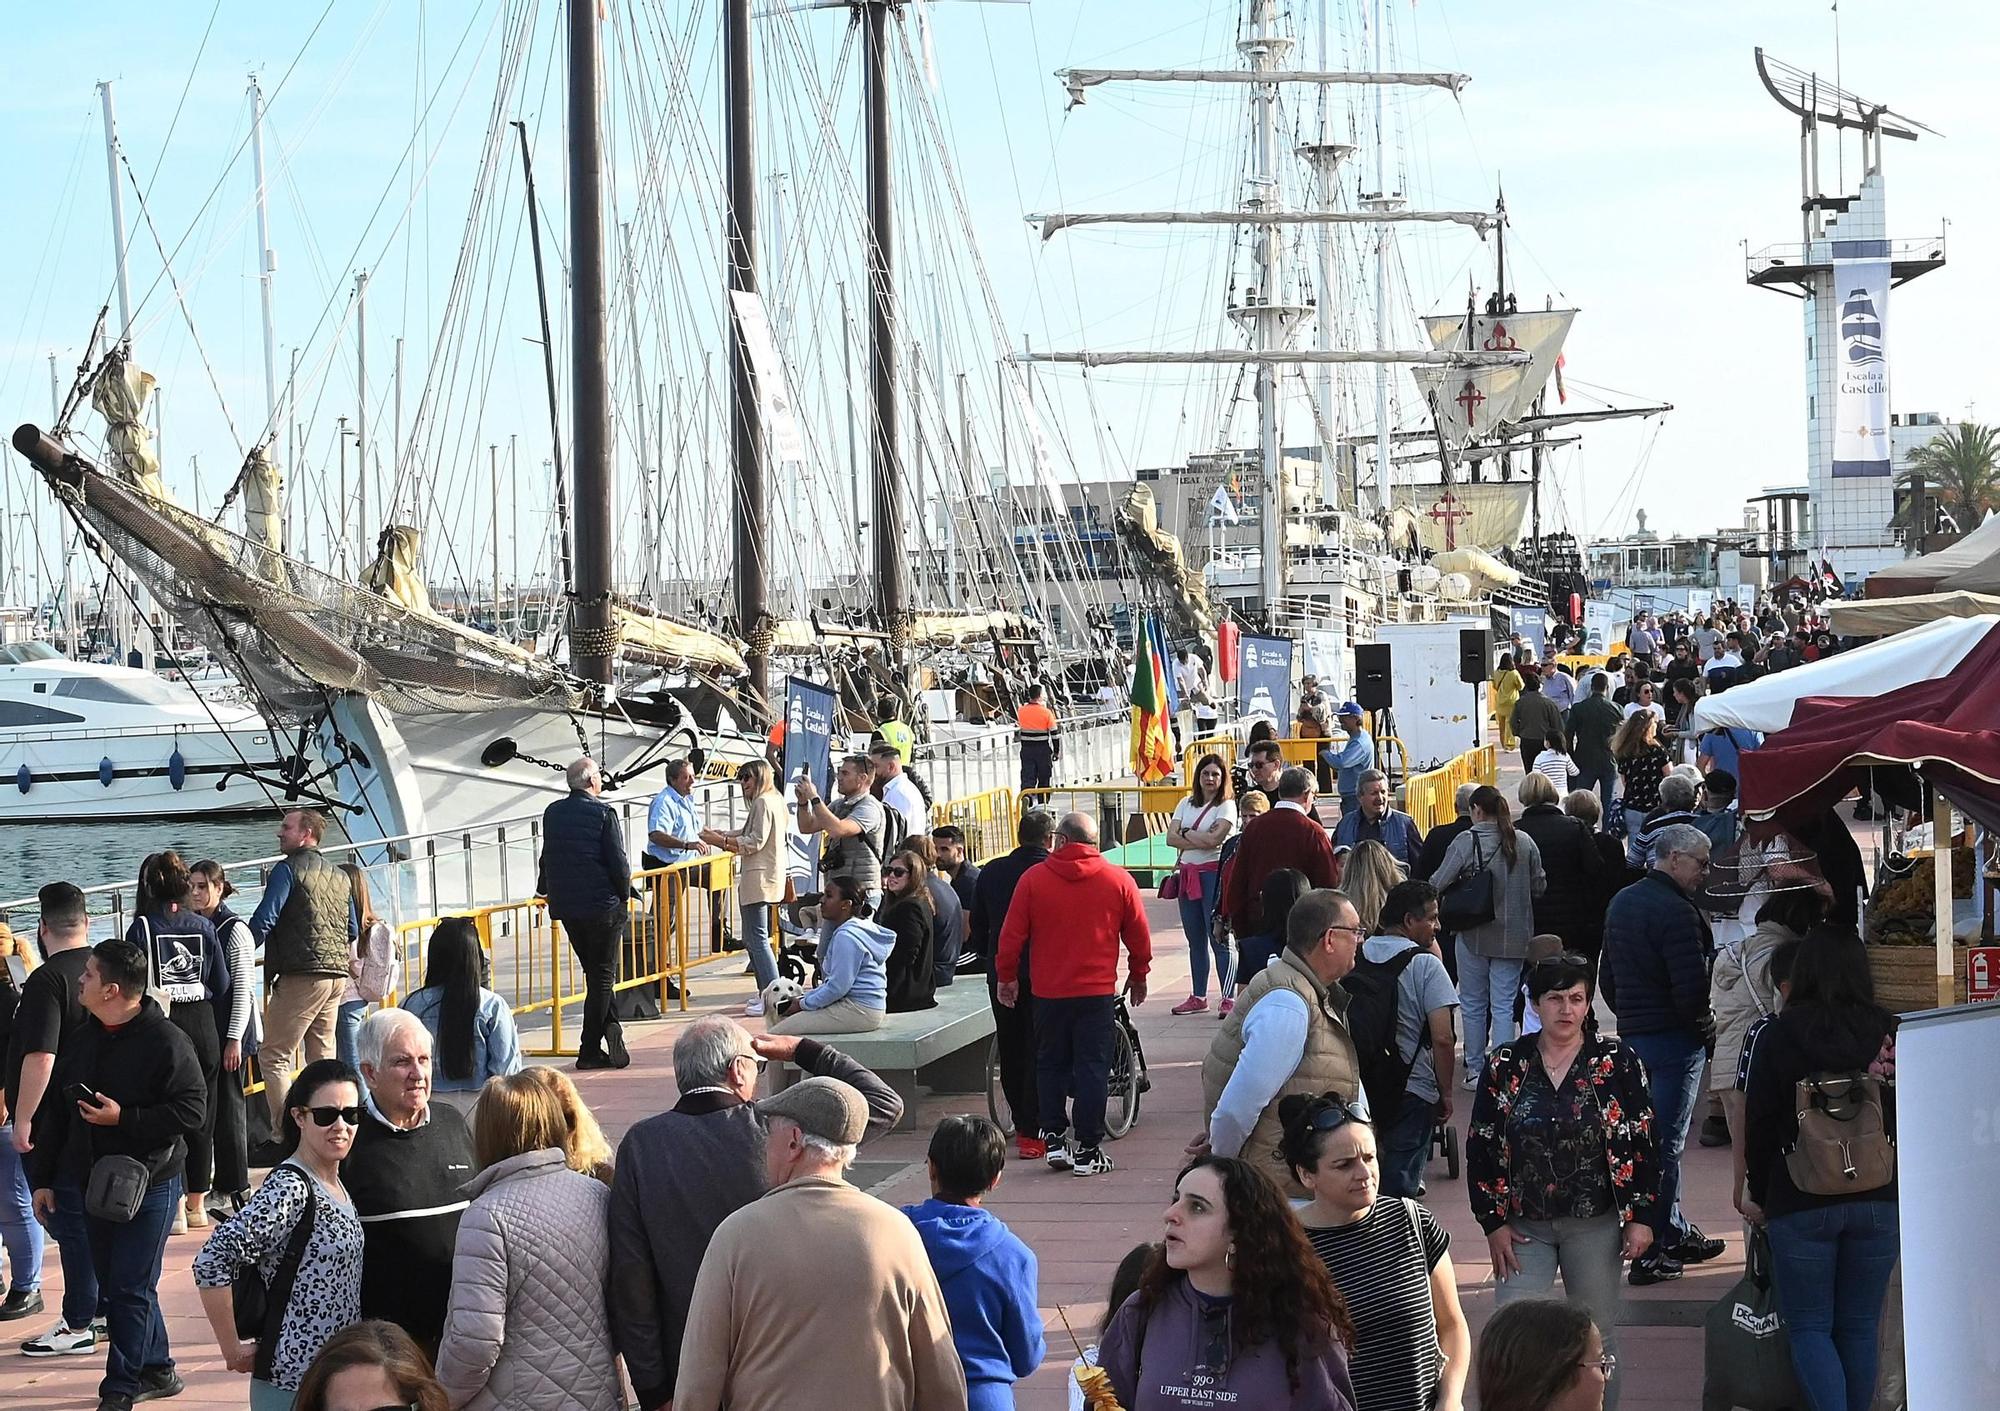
(327, 1116)
(895, 872)
(1332, 1114)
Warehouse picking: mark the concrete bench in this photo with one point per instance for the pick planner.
(942, 1049)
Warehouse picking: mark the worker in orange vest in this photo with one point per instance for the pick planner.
(1041, 741)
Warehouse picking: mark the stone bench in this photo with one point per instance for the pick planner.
(942, 1049)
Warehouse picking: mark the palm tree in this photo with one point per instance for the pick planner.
(1959, 468)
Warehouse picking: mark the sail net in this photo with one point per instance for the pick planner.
(298, 634)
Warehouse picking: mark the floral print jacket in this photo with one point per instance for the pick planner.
(1617, 1079)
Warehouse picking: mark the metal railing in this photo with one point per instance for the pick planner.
(988, 819)
(1430, 798)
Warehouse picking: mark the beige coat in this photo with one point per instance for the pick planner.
(818, 1295)
(760, 867)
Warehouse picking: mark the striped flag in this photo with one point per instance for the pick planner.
(1152, 738)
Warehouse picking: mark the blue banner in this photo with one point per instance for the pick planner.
(809, 711)
(1531, 625)
(1264, 684)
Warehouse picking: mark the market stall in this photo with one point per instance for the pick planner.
(1884, 617)
(1929, 572)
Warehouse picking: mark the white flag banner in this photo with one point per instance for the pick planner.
(1326, 658)
(1038, 441)
(774, 396)
(1222, 509)
(1861, 374)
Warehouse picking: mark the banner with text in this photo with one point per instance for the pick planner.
(1861, 367)
(1265, 682)
(809, 712)
(1326, 658)
(1600, 625)
(1531, 625)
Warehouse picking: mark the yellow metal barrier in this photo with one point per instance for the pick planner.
(1124, 812)
(988, 821)
(1222, 745)
(1430, 797)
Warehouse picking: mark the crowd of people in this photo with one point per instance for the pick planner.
(444, 1226)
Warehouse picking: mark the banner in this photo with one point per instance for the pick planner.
(1600, 624)
(1326, 658)
(1531, 625)
(1265, 683)
(1861, 369)
(774, 396)
(809, 711)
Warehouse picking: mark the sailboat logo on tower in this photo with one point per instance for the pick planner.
(1861, 329)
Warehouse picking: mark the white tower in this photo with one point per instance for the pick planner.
(1843, 270)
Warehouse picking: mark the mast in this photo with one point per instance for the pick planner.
(649, 535)
(118, 249)
(493, 474)
(890, 568)
(558, 475)
(593, 640)
(1382, 201)
(1265, 49)
(361, 414)
(267, 263)
(746, 422)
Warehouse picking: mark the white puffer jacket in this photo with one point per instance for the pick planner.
(526, 1328)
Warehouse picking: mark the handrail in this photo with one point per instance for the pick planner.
(1430, 798)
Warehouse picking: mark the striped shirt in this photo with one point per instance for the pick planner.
(1382, 1266)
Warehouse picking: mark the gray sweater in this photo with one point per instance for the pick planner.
(1515, 888)
(678, 1176)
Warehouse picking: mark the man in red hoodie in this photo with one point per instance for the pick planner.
(1075, 909)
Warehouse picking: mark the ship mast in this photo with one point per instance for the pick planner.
(890, 566)
(593, 638)
(1271, 321)
(746, 424)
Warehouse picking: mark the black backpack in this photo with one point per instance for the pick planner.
(1372, 1002)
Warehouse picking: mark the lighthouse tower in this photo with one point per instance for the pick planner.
(1843, 269)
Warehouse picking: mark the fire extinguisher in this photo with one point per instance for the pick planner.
(1982, 973)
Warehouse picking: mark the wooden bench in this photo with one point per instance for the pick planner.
(942, 1049)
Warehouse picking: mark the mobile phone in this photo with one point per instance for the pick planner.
(77, 1092)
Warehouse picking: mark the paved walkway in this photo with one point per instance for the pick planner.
(1079, 1228)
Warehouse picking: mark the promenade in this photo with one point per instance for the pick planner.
(1078, 1228)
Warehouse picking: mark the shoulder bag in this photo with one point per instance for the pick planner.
(260, 1308)
(1170, 885)
(1843, 1146)
(1468, 902)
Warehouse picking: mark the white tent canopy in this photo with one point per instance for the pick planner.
(1920, 654)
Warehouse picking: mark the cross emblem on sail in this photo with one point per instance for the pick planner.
(1489, 398)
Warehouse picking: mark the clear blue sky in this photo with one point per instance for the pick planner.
(1633, 140)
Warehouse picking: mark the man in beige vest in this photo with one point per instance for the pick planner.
(1288, 1034)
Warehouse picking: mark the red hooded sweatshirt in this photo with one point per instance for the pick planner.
(1075, 908)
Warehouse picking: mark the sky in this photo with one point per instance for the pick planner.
(1636, 148)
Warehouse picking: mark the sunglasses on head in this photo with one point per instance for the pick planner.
(327, 1116)
(1331, 1114)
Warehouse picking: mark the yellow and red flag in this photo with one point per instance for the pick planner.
(1152, 735)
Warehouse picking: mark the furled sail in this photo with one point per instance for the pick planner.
(264, 509)
(120, 395)
(396, 574)
(1138, 520)
(662, 641)
(1474, 403)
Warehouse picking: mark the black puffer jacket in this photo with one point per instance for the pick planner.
(912, 981)
(1573, 905)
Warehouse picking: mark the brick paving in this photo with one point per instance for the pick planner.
(1078, 1228)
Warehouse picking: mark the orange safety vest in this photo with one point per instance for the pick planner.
(1036, 724)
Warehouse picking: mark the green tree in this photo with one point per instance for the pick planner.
(1960, 469)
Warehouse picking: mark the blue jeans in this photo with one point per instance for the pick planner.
(1831, 1267)
(1198, 921)
(18, 1227)
(80, 1302)
(1673, 1077)
(1073, 1048)
(347, 1032)
(1604, 779)
(1406, 1146)
(128, 1270)
(1486, 990)
(757, 941)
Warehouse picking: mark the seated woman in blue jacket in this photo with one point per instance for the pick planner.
(853, 994)
(472, 1031)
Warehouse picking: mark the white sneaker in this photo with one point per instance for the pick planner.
(754, 1009)
(61, 1341)
(1471, 1083)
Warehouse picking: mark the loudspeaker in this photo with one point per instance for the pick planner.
(1475, 654)
(1371, 677)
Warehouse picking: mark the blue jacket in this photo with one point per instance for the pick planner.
(854, 964)
(990, 1287)
(496, 1044)
(1353, 757)
(585, 871)
(187, 959)
(1398, 832)
(1656, 954)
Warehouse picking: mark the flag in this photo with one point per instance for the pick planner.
(1152, 739)
(1222, 509)
(1562, 393)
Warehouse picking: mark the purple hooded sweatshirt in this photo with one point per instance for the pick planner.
(1155, 1361)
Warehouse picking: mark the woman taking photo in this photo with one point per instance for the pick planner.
(191, 977)
(240, 1016)
(1642, 763)
(1235, 1307)
(1560, 1155)
(374, 969)
(759, 846)
(1201, 824)
(314, 1287)
(1506, 695)
(1388, 1258)
(526, 1328)
(472, 1030)
(1543, 1355)
(906, 911)
(1492, 956)
(1831, 1255)
(367, 1367)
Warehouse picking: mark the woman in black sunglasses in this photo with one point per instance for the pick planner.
(906, 910)
(300, 1236)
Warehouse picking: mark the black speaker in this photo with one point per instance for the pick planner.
(1371, 677)
(1475, 655)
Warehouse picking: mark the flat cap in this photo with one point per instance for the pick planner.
(823, 1107)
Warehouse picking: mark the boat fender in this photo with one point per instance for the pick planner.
(177, 768)
(106, 771)
(24, 778)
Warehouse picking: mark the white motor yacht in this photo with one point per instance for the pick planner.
(81, 741)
